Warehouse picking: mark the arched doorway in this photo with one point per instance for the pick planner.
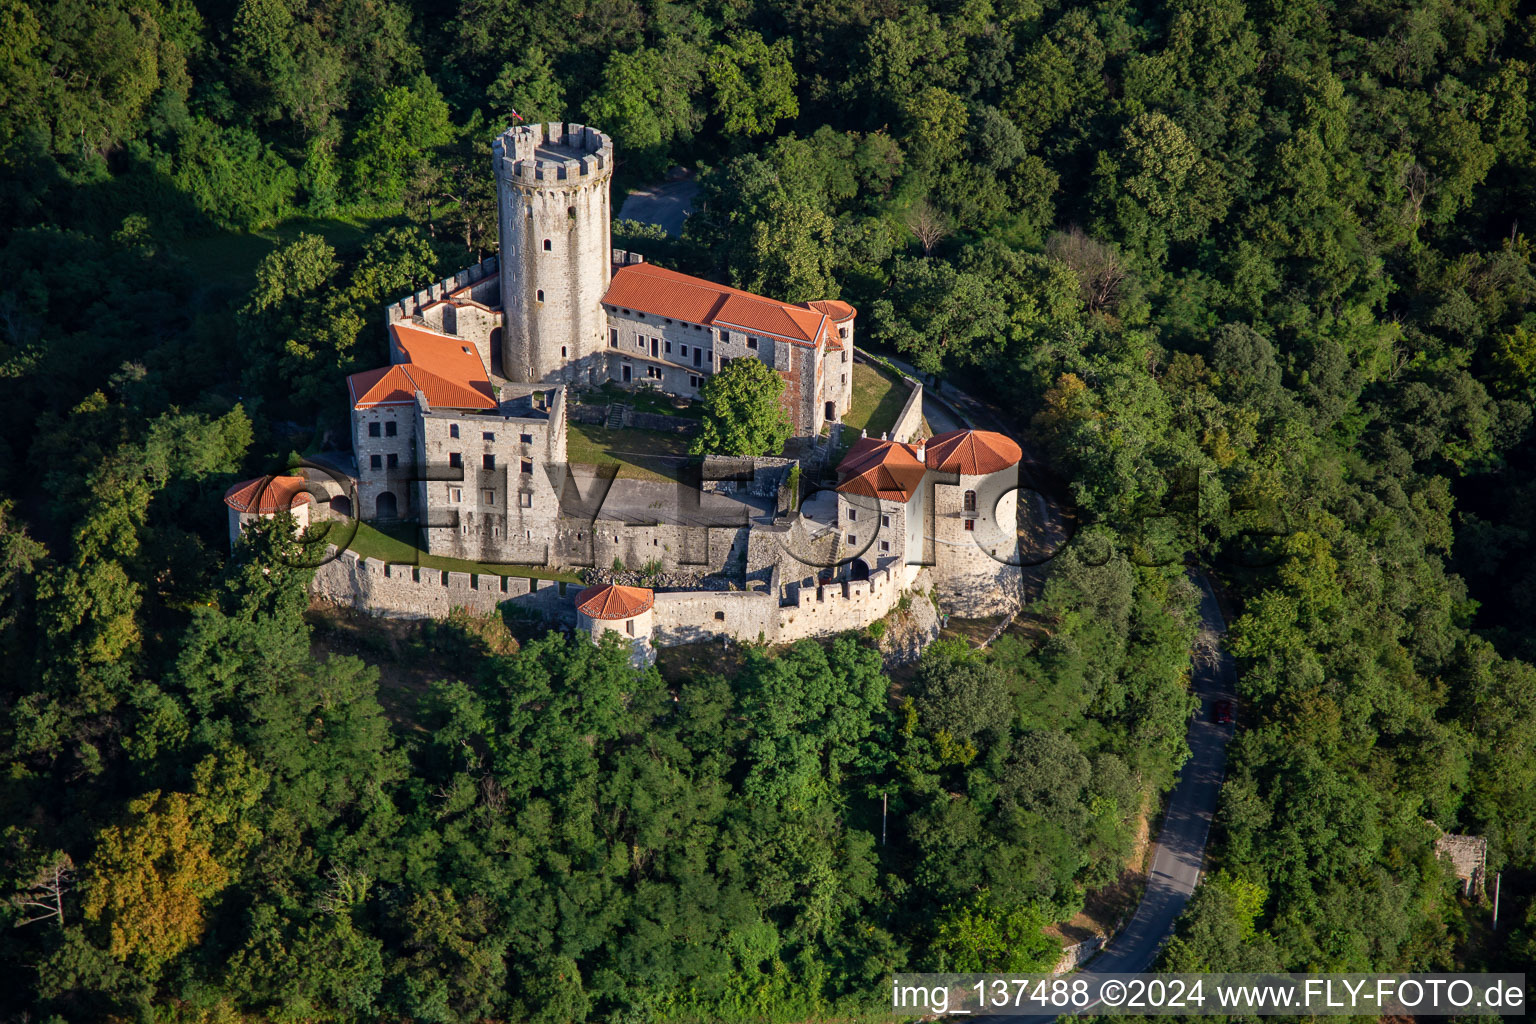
(858, 569)
(386, 506)
(341, 505)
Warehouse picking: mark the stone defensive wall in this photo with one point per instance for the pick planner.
(396, 590)
(909, 422)
(831, 608)
(408, 591)
(590, 151)
(752, 615)
(478, 284)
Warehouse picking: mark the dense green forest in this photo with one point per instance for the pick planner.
(1263, 265)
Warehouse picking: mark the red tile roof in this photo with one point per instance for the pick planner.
(972, 452)
(445, 370)
(609, 601)
(275, 494)
(838, 311)
(889, 470)
(651, 289)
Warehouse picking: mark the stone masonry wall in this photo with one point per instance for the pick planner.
(909, 422)
(408, 591)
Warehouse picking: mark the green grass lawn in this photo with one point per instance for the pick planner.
(397, 543)
(878, 396)
(639, 454)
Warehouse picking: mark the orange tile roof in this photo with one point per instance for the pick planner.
(651, 289)
(838, 311)
(269, 493)
(447, 371)
(972, 452)
(610, 601)
(889, 470)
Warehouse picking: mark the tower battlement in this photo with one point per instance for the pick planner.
(556, 151)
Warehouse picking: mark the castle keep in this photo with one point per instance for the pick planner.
(464, 433)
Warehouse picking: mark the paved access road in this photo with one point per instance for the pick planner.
(666, 205)
(1180, 848)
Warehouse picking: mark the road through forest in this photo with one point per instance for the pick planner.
(1179, 851)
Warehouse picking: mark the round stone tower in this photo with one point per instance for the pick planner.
(552, 205)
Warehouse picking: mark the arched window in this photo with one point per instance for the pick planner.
(970, 501)
(547, 246)
(570, 211)
(541, 294)
(719, 616)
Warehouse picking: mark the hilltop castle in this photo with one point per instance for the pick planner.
(464, 432)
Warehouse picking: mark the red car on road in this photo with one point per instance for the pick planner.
(1226, 712)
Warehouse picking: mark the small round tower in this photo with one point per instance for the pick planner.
(625, 611)
(975, 520)
(553, 212)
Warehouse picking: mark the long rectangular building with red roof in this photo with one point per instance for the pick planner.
(672, 331)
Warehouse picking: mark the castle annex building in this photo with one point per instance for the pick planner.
(464, 432)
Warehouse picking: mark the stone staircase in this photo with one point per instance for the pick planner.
(616, 411)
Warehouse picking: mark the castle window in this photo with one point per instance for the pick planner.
(570, 211)
(375, 462)
(486, 435)
(562, 351)
(547, 246)
(629, 626)
(540, 294)
(453, 430)
(698, 356)
(885, 520)
(685, 351)
(668, 319)
(529, 209)
(373, 430)
(751, 342)
(970, 524)
(454, 460)
(719, 616)
(613, 337)
(390, 428)
(694, 380)
(845, 359)
(489, 497)
(885, 545)
(853, 515)
(525, 438)
(845, 378)
(669, 348)
(455, 494)
(842, 332)
(653, 372)
(489, 462)
(852, 539)
(392, 460)
(525, 499)
(970, 501)
(527, 467)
